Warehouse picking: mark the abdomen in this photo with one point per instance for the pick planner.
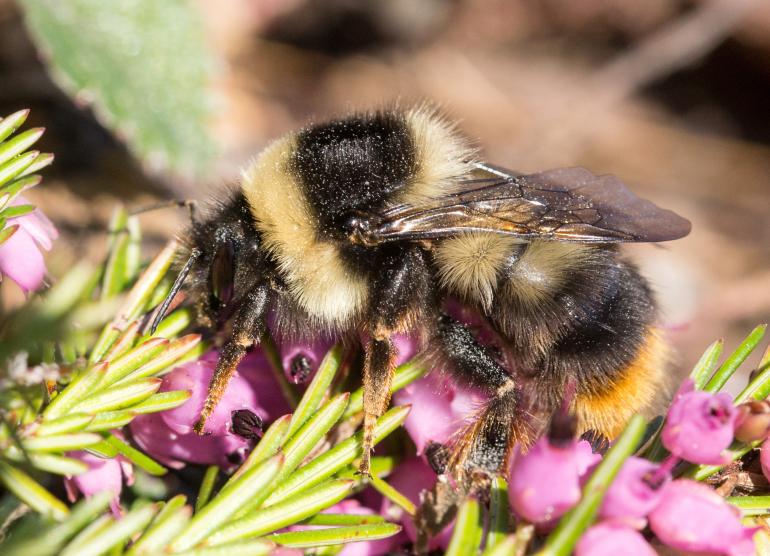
(566, 312)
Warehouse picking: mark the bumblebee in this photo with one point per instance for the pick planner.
(363, 227)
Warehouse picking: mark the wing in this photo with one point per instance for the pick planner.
(567, 204)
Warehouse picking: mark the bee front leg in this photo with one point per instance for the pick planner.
(248, 326)
(379, 367)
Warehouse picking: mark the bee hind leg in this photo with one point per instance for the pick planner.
(480, 450)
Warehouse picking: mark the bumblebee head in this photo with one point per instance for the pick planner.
(218, 265)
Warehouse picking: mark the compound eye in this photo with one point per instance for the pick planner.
(223, 274)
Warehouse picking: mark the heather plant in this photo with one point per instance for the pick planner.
(98, 455)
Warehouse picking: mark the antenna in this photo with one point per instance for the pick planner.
(181, 277)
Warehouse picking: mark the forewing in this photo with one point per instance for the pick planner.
(567, 204)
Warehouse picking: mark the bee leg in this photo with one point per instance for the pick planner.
(248, 326)
(482, 448)
(379, 367)
(400, 299)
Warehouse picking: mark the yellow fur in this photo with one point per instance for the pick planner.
(543, 268)
(636, 387)
(443, 155)
(313, 269)
(469, 264)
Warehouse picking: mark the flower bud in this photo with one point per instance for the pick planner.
(753, 421)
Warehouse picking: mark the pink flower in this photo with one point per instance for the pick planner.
(439, 408)
(410, 478)
(545, 482)
(300, 360)
(636, 490)
(693, 518)
(102, 475)
(169, 435)
(700, 425)
(20, 257)
(610, 539)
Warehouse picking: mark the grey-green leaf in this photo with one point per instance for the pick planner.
(146, 67)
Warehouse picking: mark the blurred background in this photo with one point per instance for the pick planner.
(146, 100)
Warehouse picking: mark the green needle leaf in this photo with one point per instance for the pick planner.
(132, 360)
(258, 547)
(285, 513)
(331, 461)
(162, 401)
(68, 423)
(108, 420)
(175, 322)
(11, 123)
(6, 233)
(504, 547)
(47, 462)
(16, 210)
(14, 167)
(468, 531)
(751, 505)
(499, 512)
(61, 442)
(166, 525)
(207, 486)
(29, 491)
(229, 500)
(268, 445)
(43, 160)
(136, 300)
(116, 534)
(20, 143)
(12, 190)
(393, 495)
(706, 364)
(83, 513)
(316, 390)
(336, 535)
(119, 397)
(78, 389)
(731, 364)
(759, 387)
(174, 351)
(135, 456)
(82, 539)
(563, 539)
(343, 519)
(297, 449)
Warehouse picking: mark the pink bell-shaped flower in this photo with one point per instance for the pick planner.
(693, 518)
(700, 425)
(545, 482)
(21, 258)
